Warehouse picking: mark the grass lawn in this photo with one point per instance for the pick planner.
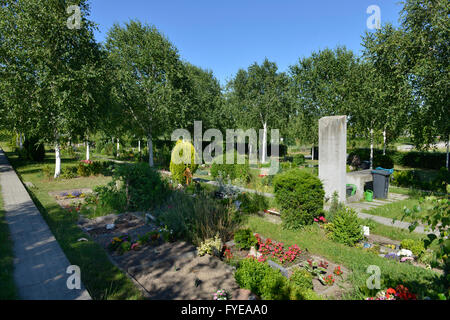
(102, 279)
(7, 287)
(394, 210)
(419, 280)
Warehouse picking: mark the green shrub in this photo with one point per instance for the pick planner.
(301, 278)
(244, 239)
(262, 280)
(142, 185)
(345, 227)
(242, 173)
(417, 247)
(252, 202)
(84, 169)
(69, 172)
(187, 161)
(298, 160)
(300, 195)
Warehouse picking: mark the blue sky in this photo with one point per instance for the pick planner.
(224, 36)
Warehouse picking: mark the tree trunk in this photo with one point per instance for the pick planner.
(384, 142)
(150, 150)
(371, 148)
(87, 150)
(57, 160)
(264, 144)
(312, 153)
(118, 147)
(139, 146)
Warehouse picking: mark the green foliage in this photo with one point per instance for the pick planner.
(69, 172)
(183, 156)
(414, 179)
(84, 169)
(416, 246)
(242, 173)
(345, 227)
(252, 202)
(47, 171)
(298, 160)
(210, 246)
(384, 161)
(33, 149)
(301, 278)
(335, 206)
(262, 280)
(197, 218)
(142, 186)
(244, 239)
(300, 195)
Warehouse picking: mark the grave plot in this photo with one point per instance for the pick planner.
(329, 279)
(165, 270)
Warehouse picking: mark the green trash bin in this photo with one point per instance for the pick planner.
(368, 195)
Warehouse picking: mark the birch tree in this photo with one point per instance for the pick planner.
(150, 82)
(261, 100)
(60, 68)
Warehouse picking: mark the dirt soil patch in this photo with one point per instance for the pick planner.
(165, 271)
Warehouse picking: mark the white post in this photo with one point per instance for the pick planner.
(139, 145)
(384, 142)
(118, 146)
(312, 153)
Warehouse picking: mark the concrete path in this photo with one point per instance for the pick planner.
(392, 197)
(39, 263)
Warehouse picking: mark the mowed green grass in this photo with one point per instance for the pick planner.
(7, 286)
(102, 279)
(421, 281)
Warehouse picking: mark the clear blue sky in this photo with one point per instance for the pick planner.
(227, 35)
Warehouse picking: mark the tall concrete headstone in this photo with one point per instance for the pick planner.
(333, 155)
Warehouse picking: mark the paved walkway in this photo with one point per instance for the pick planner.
(39, 263)
(392, 197)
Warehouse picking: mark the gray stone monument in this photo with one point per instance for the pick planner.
(333, 155)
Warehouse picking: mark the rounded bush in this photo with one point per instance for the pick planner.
(181, 159)
(300, 195)
(345, 227)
